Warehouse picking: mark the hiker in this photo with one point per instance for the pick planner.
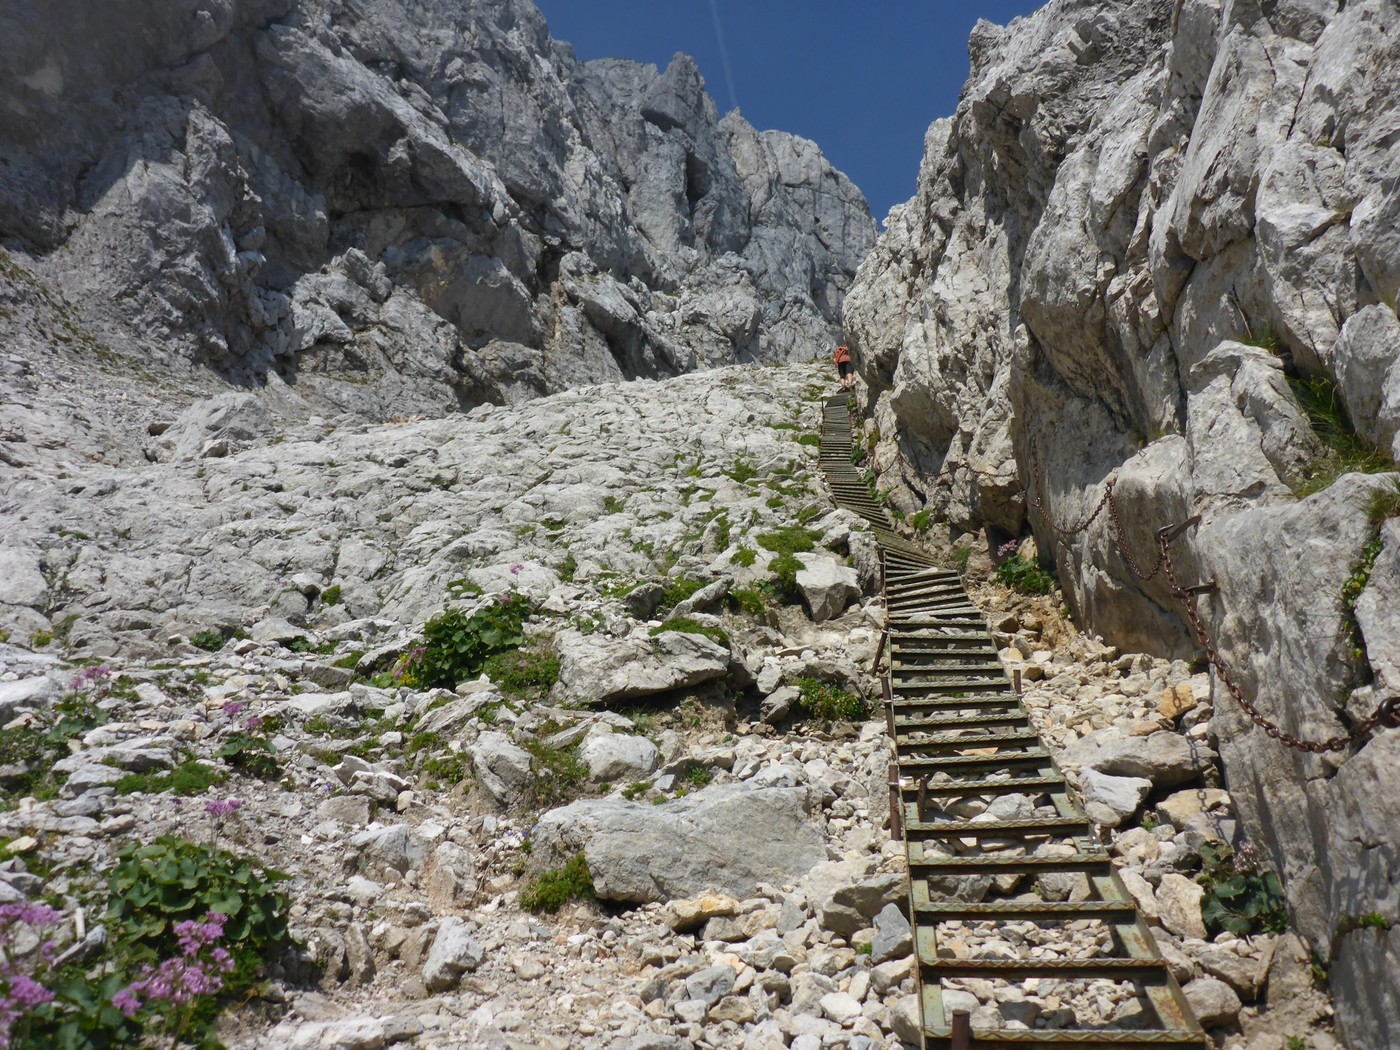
(843, 367)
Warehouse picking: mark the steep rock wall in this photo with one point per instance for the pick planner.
(1142, 219)
(404, 207)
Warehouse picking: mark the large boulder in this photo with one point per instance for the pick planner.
(597, 669)
(725, 838)
(827, 587)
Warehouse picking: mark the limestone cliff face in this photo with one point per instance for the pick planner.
(404, 207)
(1142, 219)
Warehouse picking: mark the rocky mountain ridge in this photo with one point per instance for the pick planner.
(1155, 248)
(402, 209)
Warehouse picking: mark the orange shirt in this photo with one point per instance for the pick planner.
(843, 355)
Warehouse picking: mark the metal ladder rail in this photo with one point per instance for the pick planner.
(947, 694)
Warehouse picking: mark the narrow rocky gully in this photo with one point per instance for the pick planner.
(675, 634)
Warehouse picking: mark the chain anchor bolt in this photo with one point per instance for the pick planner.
(1209, 587)
(1388, 713)
(1168, 533)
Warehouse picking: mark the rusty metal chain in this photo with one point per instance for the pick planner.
(1120, 537)
(1038, 504)
(1387, 711)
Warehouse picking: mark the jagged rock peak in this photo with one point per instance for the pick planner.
(405, 207)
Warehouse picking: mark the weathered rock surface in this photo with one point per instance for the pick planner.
(1142, 228)
(370, 209)
(721, 839)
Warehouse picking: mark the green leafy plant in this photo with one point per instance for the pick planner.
(1023, 575)
(190, 777)
(829, 703)
(211, 639)
(456, 644)
(921, 520)
(251, 754)
(1352, 588)
(551, 890)
(613, 505)
(527, 672)
(1372, 920)
(752, 598)
(678, 588)
(699, 776)
(568, 569)
(790, 539)
(1294, 1042)
(961, 556)
(744, 557)
(559, 774)
(785, 568)
(159, 884)
(685, 625)
(331, 595)
(1240, 897)
(635, 790)
(743, 471)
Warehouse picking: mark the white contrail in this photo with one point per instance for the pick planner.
(724, 56)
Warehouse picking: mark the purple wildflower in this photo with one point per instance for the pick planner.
(176, 981)
(516, 569)
(88, 676)
(1009, 547)
(234, 707)
(506, 598)
(219, 808)
(252, 723)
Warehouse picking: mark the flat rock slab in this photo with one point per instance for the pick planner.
(726, 839)
(1164, 758)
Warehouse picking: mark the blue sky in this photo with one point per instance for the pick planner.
(862, 78)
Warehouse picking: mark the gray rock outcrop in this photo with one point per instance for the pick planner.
(1146, 232)
(398, 209)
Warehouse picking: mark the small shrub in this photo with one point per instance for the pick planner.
(350, 661)
(613, 505)
(635, 790)
(744, 557)
(699, 776)
(685, 625)
(551, 890)
(1023, 575)
(331, 595)
(921, 520)
(828, 703)
(961, 556)
(814, 440)
(41, 639)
